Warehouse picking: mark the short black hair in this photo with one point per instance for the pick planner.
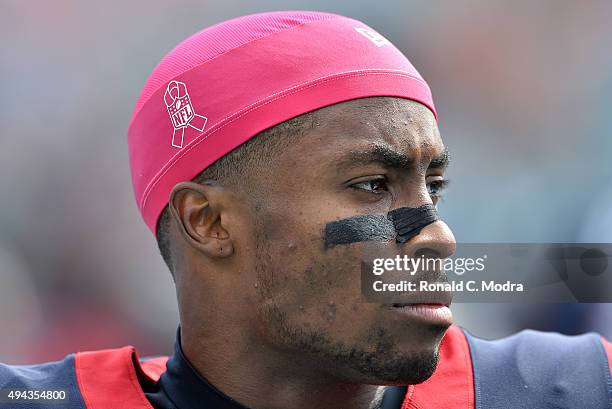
(236, 167)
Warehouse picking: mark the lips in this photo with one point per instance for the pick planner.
(438, 314)
(432, 298)
(432, 305)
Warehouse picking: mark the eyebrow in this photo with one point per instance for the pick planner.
(441, 161)
(389, 157)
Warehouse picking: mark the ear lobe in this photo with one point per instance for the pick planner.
(196, 210)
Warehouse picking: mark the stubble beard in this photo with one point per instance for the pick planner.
(376, 357)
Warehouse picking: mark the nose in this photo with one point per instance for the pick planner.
(436, 238)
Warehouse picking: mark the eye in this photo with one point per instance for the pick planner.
(436, 188)
(376, 186)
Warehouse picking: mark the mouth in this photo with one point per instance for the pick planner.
(435, 313)
(431, 299)
(425, 304)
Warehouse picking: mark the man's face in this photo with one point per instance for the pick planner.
(361, 157)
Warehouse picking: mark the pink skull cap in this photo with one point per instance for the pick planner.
(226, 83)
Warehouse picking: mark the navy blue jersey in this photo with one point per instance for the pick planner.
(525, 371)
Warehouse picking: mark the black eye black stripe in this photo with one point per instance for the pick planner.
(400, 224)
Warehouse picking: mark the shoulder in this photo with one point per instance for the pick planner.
(57, 376)
(93, 379)
(25, 376)
(526, 370)
(535, 367)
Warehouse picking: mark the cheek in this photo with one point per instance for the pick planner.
(315, 289)
(297, 277)
(301, 272)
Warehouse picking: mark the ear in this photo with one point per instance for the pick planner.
(196, 209)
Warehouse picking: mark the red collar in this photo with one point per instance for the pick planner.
(109, 376)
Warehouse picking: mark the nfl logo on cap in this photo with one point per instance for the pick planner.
(181, 112)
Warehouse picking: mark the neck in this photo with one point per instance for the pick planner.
(260, 377)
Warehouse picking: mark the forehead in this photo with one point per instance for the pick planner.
(398, 123)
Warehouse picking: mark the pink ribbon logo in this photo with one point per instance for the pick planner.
(181, 112)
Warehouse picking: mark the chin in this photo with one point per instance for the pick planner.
(411, 370)
(393, 367)
(419, 338)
